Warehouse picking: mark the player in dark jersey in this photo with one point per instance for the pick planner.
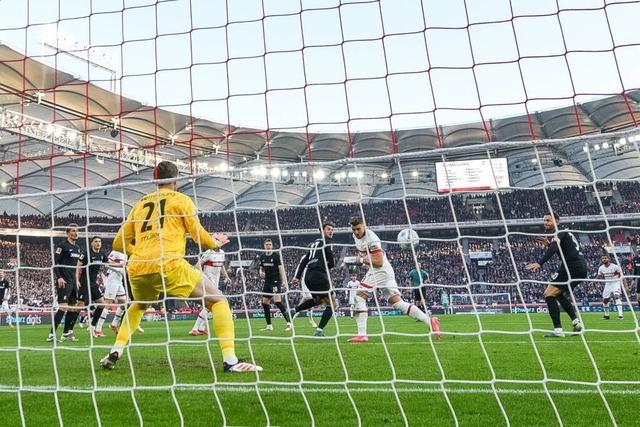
(4, 298)
(275, 280)
(313, 271)
(88, 278)
(573, 268)
(68, 257)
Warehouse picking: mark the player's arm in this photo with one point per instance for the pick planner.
(300, 268)
(57, 269)
(328, 255)
(225, 275)
(375, 258)
(552, 249)
(124, 237)
(283, 273)
(197, 231)
(79, 273)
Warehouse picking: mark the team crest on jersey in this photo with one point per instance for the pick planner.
(58, 250)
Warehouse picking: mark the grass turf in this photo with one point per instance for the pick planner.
(328, 381)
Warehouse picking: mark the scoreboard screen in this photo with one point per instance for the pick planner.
(472, 175)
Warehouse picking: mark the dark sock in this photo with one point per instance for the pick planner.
(267, 313)
(283, 310)
(554, 311)
(70, 321)
(566, 304)
(56, 320)
(306, 305)
(326, 316)
(95, 316)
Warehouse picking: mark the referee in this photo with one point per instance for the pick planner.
(67, 259)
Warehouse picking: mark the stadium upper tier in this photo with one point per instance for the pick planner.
(62, 133)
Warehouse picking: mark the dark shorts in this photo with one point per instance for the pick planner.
(318, 283)
(417, 294)
(560, 279)
(68, 294)
(90, 294)
(271, 288)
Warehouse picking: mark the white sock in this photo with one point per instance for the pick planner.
(619, 306)
(118, 316)
(203, 316)
(606, 308)
(103, 317)
(362, 313)
(411, 310)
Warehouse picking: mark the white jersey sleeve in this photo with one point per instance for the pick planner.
(117, 258)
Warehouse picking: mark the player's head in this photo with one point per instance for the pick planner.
(327, 229)
(166, 170)
(605, 260)
(96, 243)
(268, 245)
(72, 232)
(357, 226)
(549, 219)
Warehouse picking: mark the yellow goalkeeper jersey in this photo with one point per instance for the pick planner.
(159, 223)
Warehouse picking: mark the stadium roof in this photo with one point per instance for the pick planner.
(38, 91)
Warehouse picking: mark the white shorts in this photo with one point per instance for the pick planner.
(306, 294)
(610, 289)
(352, 297)
(114, 288)
(382, 281)
(4, 306)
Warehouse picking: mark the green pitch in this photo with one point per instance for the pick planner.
(331, 378)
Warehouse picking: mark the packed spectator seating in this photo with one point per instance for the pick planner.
(447, 262)
(516, 204)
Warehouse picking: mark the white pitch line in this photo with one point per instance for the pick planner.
(296, 390)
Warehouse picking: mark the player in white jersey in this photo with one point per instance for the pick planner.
(212, 265)
(114, 291)
(353, 285)
(612, 274)
(380, 276)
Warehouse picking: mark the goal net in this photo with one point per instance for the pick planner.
(466, 122)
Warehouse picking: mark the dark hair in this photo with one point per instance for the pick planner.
(267, 241)
(328, 224)
(165, 170)
(356, 220)
(555, 215)
(94, 238)
(71, 226)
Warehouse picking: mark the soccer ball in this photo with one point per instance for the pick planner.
(408, 238)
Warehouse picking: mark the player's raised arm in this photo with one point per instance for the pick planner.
(124, 238)
(197, 231)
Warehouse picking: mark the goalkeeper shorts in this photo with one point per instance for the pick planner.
(178, 282)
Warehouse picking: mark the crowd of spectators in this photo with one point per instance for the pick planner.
(450, 268)
(516, 204)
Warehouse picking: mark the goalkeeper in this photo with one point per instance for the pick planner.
(158, 223)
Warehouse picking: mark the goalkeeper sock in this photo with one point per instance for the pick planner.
(224, 330)
(619, 306)
(130, 323)
(103, 317)
(70, 321)
(326, 316)
(567, 305)
(267, 312)
(97, 313)
(117, 318)
(411, 310)
(283, 310)
(362, 313)
(554, 311)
